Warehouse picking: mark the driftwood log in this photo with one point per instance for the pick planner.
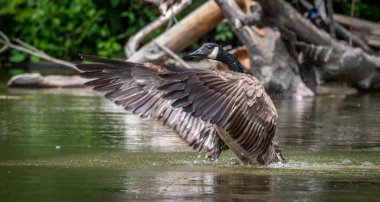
(367, 31)
(328, 58)
(36, 80)
(358, 24)
(340, 30)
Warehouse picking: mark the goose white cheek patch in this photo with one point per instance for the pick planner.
(214, 53)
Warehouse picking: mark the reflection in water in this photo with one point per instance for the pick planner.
(169, 185)
(148, 135)
(194, 186)
(321, 124)
(106, 154)
(199, 186)
(68, 184)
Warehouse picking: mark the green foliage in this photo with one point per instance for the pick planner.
(9, 7)
(223, 32)
(67, 27)
(16, 56)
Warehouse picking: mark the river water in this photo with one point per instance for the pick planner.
(71, 145)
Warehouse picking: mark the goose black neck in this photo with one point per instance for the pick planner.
(230, 60)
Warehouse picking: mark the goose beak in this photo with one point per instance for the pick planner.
(197, 53)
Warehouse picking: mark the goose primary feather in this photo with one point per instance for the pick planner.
(210, 110)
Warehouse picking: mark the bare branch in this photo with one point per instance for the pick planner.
(26, 45)
(5, 41)
(173, 55)
(134, 41)
(26, 48)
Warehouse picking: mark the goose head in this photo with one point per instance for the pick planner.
(216, 52)
(207, 50)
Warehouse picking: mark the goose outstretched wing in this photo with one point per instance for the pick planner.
(135, 87)
(236, 103)
(206, 108)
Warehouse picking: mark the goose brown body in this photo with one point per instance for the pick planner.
(209, 110)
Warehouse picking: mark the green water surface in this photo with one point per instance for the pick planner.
(71, 145)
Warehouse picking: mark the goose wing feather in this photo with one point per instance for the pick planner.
(135, 87)
(236, 103)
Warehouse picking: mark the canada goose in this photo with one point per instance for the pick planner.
(210, 110)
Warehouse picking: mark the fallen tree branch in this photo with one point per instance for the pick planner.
(27, 48)
(366, 30)
(133, 43)
(354, 67)
(339, 29)
(358, 24)
(330, 59)
(287, 16)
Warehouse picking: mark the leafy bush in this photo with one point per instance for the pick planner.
(67, 27)
(223, 32)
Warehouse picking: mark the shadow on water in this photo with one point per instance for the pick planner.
(71, 145)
